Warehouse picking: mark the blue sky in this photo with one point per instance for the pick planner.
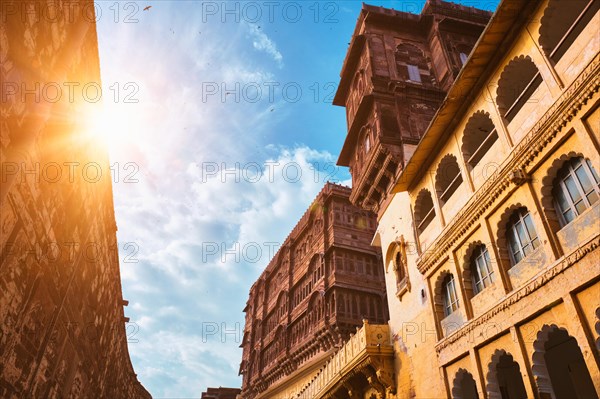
(221, 133)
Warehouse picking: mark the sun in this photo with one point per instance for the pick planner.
(112, 124)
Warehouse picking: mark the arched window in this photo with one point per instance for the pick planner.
(399, 267)
(447, 178)
(358, 83)
(395, 259)
(480, 135)
(562, 22)
(517, 83)
(576, 188)
(412, 64)
(482, 273)
(450, 297)
(424, 211)
(521, 235)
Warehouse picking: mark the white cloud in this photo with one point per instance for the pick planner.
(181, 287)
(176, 211)
(262, 42)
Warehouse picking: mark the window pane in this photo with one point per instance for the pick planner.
(572, 189)
(527, 249)
(478, 287)
(480, 264)
(515, 247)
(451, 291)
(594, 174)
(569, 216)
(580, 206)
(486, 281)
(512, 240)
(584, 179)
(517, 256)
(413, 73)
(592, 197)
(530, 227)
(575, 163)
(486, 255)
(562, 202)
(487, 273)
(523, 237)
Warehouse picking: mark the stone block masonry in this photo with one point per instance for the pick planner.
(62, 323)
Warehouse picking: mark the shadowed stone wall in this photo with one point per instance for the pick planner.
(62, 324)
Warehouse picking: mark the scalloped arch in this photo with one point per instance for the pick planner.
(501, 240)
(438, 298)
(390, 254)
(558, 17)
(466, 266)
(479, 120)
(422, 196)
(538, 367)
(445, 170)
(457, 392)
(493, 386)
(511, 78)
(550, 176)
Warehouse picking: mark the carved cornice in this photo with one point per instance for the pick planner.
(539, 137)
(540, 281)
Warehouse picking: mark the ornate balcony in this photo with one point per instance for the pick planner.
(363, 365)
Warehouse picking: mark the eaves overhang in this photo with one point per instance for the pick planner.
(493, 43)
(356, 46)
(353, 133)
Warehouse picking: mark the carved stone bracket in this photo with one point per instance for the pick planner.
(384, 370)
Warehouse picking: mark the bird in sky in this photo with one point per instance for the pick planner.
(147, 8)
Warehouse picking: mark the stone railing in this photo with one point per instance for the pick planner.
(369, 340)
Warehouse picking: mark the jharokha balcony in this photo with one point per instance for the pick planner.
(364, 365)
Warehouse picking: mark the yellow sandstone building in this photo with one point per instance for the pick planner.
(491, 232)
(488, 207)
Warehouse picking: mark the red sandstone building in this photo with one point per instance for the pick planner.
(220, 393)
(396, 73)
(317, 290)
(314, 293)
(62, 317)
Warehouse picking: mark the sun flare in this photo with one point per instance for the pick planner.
(112, 124)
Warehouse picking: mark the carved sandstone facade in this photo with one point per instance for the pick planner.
(397, 71)
(494, 221)
(315, 292)
(62, 325)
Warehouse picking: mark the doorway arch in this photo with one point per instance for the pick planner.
(559, 367)
(464, 386)
(504, 380)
